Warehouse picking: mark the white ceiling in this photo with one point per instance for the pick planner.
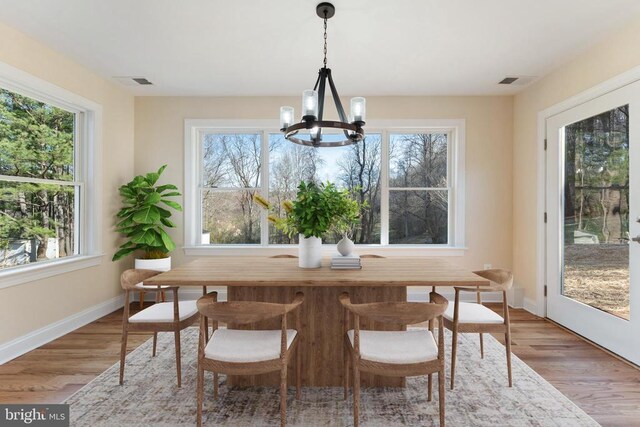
(274, 47)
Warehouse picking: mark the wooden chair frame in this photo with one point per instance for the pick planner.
(128, 280)
(247, 312)
(401, 313)
(502, 281)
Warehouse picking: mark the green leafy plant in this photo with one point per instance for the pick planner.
(143, 217)
(317, 209)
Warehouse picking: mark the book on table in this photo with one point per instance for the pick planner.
(340, 262)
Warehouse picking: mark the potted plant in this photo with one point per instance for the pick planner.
(315, 210)
(143, 219)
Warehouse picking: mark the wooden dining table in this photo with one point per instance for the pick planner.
(321, 338)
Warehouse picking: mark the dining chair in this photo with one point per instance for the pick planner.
(160, 317)
(394, 353)
(247, 352)
(467, 317)
(143, 289)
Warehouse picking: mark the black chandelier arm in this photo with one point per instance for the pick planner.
(336, 98)
(322, 75)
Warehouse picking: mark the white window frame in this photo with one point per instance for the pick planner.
(87, 172)
(454, 128)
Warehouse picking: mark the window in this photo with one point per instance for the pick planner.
(409, 178)
(418, 188)
(47, 173)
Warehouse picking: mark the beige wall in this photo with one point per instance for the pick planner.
(26, 307)
(614, 55)
(159, 127)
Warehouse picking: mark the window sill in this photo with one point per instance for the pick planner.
(44, 269)
(327, 250)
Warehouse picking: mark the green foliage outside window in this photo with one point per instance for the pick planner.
(36, 146)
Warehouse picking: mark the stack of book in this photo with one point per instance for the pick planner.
(349, 262)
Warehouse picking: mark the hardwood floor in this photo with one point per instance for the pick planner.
(605, 387)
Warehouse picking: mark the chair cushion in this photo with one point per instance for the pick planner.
(232, 345)
(473, 313)
(163, 312)
(399, 347)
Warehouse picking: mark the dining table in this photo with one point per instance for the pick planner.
(254, 278)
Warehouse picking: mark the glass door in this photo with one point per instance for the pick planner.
(593, 204)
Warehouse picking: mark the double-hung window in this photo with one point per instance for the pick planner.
(409, 178)
(48, 205)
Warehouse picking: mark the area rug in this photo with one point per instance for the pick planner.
(150, 396)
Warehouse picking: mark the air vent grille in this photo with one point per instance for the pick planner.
(517, 80)
(132, 80)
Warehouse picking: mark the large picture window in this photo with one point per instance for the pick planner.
(407, 179)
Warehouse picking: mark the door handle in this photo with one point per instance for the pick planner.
(636, 239)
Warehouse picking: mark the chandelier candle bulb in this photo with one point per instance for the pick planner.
(310, 103)
(358, 109)
(286, 117)
(313, 133)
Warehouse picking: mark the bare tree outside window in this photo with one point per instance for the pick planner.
(418, 185)
(418, 192)
(231, 175)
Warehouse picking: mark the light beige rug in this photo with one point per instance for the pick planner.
(150, 396)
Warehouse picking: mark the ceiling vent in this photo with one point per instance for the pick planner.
(132, 81)
(517, 80)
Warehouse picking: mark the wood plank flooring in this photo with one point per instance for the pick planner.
(605, 387)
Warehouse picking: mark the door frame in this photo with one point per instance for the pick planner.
(539, 307)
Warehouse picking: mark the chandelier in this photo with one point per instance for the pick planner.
(313, 106)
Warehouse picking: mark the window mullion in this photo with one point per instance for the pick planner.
(451, 184)
(264, 180)
(384, 189)
(80, 240)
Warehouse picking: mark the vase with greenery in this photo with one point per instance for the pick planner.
(144, 217)
(317, 209)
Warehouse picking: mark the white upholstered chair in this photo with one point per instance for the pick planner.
(161, 317)
(394, 353)
(247, 352)
(466, 317)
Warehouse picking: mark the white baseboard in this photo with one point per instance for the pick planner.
(414, 295)
(514, 296)
(21, 345)
(530, 305)
(186, 293)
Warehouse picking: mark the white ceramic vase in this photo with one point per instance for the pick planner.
(309, 252)
(160, 264)
(346, 246)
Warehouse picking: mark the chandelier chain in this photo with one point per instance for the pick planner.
(325, 39)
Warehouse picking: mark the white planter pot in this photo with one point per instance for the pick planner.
(310, 252)
(161, 264)
(345, 246)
